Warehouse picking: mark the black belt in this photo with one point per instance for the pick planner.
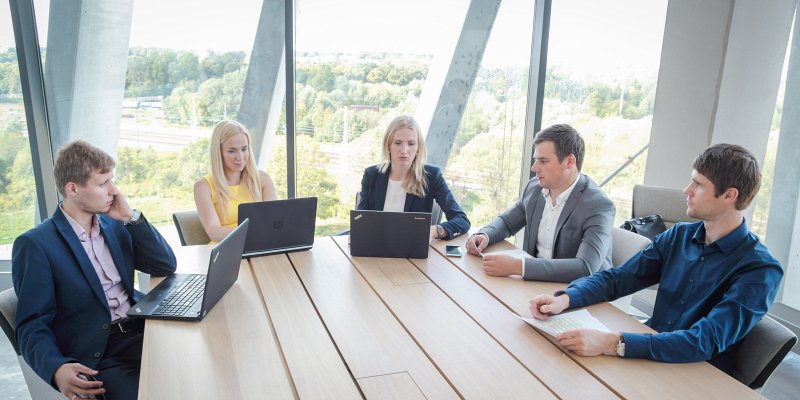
(127, 325)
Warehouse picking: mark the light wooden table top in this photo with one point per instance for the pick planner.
(322, 324)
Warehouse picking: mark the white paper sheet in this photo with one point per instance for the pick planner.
(567, 322)
(515, 252)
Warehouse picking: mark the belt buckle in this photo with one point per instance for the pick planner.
(121, 326)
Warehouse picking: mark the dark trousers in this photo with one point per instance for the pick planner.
(120, 365)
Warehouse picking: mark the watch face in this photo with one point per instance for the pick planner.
(134, 218)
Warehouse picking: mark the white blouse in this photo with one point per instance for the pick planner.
(395, 197)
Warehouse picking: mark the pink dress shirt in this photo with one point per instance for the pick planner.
(97, 250)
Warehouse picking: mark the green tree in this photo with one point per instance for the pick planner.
(219, 98)
(216, 65)
(11, 141)
(322, 78)
(560, 86)
(20, 181)
(156, 72)
(135, 165)
(178, 105)
(491, 160)
(312, 178)
(9, 78)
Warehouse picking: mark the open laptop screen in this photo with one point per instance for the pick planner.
(279, 226)
(389, 234)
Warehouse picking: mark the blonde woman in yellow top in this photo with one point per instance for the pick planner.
(234, 179)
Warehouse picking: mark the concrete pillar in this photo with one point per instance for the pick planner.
(721, 64)
(783, 230)
(265, 87)
(457, 85)
(85, 67)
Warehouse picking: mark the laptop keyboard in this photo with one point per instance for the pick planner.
(182, 297)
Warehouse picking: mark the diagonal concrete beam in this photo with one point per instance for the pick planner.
(85, 70)
(264, 87)
(460, 78)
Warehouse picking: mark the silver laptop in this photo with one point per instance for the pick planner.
(389, 234)
(279, 226)
(189, 297)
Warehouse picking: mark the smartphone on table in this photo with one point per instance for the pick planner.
(452, 250)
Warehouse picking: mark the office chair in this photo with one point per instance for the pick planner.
(670, 204)
(190, 230)
(625, 244)
(37, 387)
(761, 351)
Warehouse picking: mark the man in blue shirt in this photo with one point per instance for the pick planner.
(716, 280)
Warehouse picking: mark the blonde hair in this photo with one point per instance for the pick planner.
(415, 182)
(250, 178)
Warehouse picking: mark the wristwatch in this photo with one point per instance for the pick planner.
(439, 231)
(620, 348)
(134, 218)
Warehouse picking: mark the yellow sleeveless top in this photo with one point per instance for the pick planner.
(240, 195)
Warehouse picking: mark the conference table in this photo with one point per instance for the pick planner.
(322, 324)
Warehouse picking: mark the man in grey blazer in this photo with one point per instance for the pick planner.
(567, 218)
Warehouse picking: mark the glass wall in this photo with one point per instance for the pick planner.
(790, 293)
(17, 194)
(484, 165)
(602, 68)
(185, 72)
(352, 78)
(179, 72)
(762, 201)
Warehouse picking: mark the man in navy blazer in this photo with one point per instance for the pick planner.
(73, 275)
(567, 218)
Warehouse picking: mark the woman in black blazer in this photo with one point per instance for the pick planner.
(404, 183)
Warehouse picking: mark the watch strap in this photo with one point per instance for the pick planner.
(135, 217)
(620, 348)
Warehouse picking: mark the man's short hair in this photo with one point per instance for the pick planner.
(76, 161)
(730, 166)
(566, 140)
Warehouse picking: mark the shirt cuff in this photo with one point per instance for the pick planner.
(523, 266)
(637, 344)
(575, 300)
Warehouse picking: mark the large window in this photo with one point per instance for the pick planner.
(484, 165)
(17, 194)
(351, 79)
(761, 210)
(181, 70)
(762, 200)
(602, 68)
(186, 69)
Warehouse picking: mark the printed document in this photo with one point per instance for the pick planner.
(567, 322)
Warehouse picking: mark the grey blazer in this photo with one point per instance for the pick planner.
(582, 244)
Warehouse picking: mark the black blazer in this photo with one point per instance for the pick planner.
(373, 195)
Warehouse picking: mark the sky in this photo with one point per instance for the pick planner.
(587, 36)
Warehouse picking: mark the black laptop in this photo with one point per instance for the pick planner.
(389, 234)
(279, 226)
(189, 297)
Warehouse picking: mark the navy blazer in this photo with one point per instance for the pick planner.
(373, 195)
(62, 311)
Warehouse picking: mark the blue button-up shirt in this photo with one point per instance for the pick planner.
(709, 297)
